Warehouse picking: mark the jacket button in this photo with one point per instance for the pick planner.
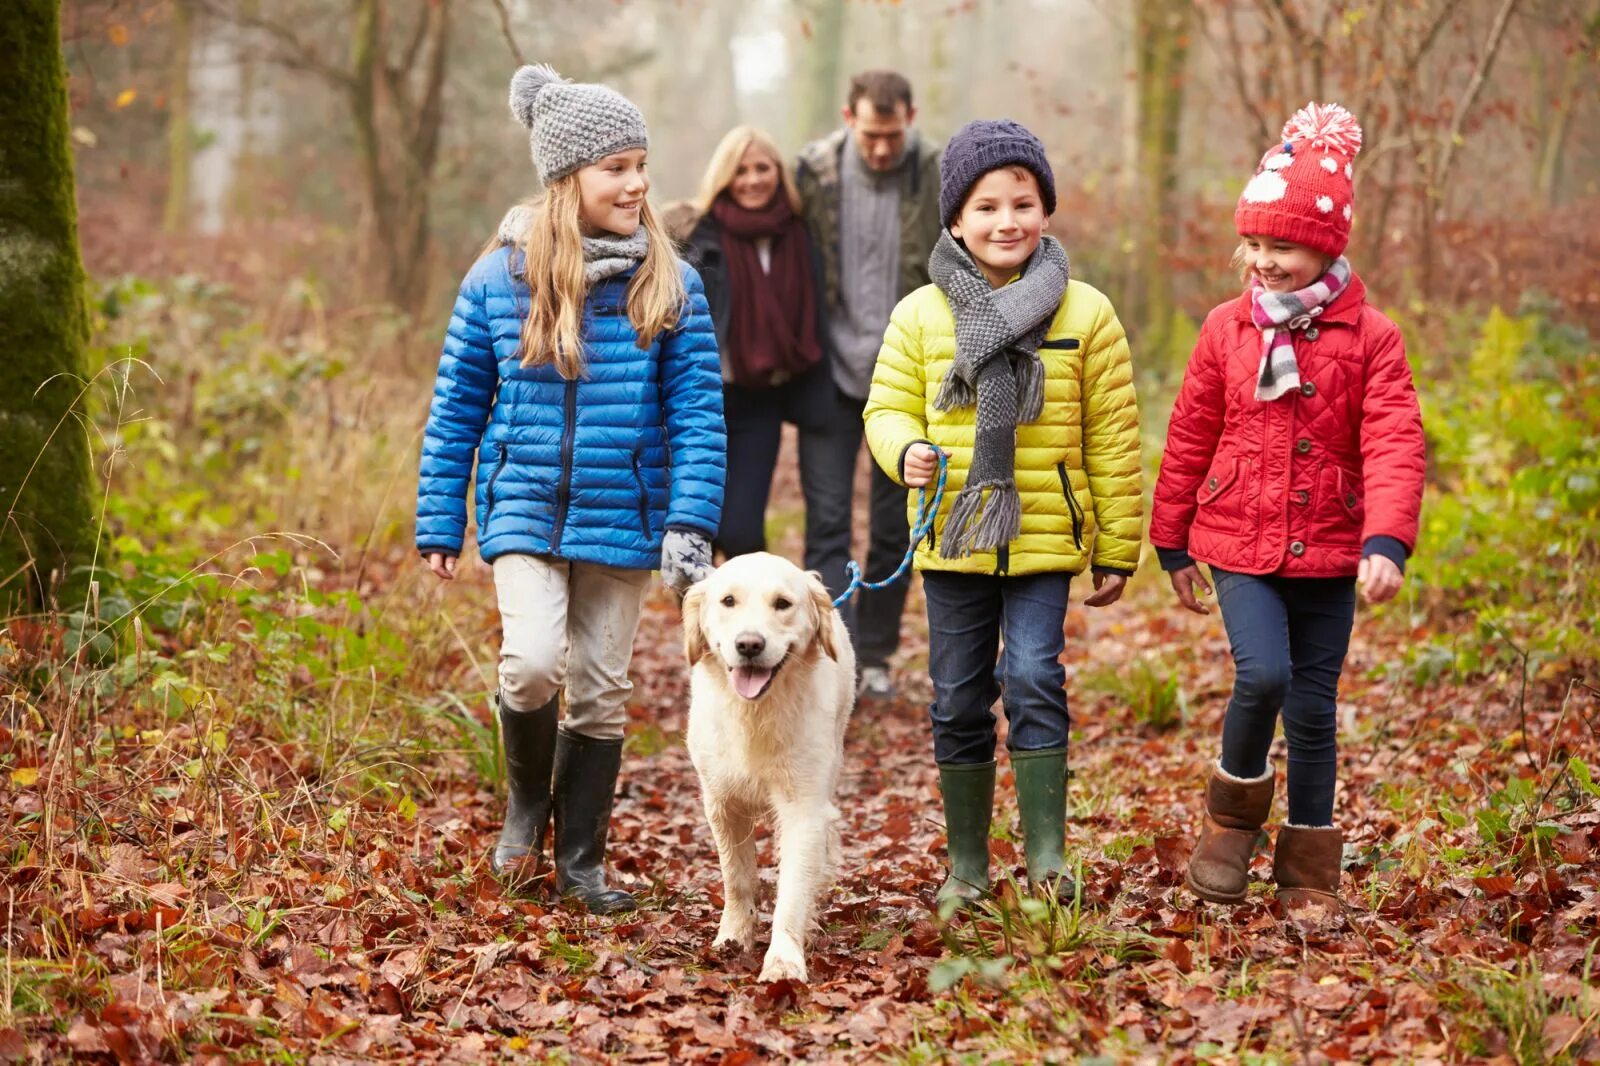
(1302, 496)
(1297, 547)
(1211, 483)
(1303, 445)
(1308, 389)
(1349, 499)
(1312, 333)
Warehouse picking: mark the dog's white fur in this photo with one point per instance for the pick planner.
(778, 753)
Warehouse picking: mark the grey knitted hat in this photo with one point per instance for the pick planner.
(984, 145)
(570, 125)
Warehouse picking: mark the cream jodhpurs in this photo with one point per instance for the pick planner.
(568, 625)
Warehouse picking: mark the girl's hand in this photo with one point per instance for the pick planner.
(441, 564)
(1108, 590)
(1380, 579)
(1185, 582)
(921, 463)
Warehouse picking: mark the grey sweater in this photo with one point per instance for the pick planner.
(869, 254)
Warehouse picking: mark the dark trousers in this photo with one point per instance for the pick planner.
(831, 447)
(968, 614)
(1289, 638)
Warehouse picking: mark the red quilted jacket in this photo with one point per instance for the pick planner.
(1296, 485)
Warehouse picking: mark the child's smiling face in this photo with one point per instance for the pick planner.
(611, 192)
(1001, 221)
(1282, 266)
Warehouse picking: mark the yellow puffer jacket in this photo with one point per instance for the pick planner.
(1077, 467)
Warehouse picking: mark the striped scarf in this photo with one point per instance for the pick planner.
(1278, 314)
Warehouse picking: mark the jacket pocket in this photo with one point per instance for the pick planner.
(1072, 506)
(644, 497)
(499, 468)
(1341, 508)
(1218, 482)
(1221, 495)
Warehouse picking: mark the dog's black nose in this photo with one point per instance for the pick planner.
(750, 644)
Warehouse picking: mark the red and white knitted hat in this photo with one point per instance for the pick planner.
(1302, 190)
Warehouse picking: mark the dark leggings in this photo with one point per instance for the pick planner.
(1289, 638)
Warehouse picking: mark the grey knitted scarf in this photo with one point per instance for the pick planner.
(603, 257)
(997, 368)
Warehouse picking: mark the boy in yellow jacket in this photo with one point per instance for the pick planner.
(1022, 377)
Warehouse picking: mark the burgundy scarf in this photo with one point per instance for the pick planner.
(772, 332)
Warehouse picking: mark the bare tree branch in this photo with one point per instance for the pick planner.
(505, 31)
(1480, 76)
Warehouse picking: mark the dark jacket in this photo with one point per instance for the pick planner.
(703, 251)
(817, 175)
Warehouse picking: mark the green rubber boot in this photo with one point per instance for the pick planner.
(968, 791)
(1042, 799)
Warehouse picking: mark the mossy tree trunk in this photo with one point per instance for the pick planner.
(44, 452)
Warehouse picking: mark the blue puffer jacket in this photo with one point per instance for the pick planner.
(593, 470)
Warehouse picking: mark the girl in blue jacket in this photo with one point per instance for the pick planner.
(581, 371)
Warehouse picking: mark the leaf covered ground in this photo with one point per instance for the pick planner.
(194, 885)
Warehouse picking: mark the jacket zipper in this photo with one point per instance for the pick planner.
(1072, 506)
(569, 432)
(499, 467)
(644, 498)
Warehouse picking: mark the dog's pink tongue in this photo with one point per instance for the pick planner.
(748, 681)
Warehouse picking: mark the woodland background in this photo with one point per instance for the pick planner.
(247, 768)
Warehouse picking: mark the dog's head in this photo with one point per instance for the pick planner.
(752, 615)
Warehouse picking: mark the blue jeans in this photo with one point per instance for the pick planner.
(967, 616)
(1289, 638)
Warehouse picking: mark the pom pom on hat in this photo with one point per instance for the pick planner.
(525, 86)
(1302, 190)
(572, 124)
(1326, 126)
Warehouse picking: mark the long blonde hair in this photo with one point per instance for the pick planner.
(725, 163)
(552, 249)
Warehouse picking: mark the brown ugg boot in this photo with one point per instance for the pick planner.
(1219, 867)
(1306, 867)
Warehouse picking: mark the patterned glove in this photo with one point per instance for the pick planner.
(685, 558)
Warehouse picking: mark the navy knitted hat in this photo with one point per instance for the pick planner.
(987, 144)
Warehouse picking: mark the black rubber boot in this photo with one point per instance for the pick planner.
(1042, 800)
(585, 782)
(968, 791)
(529, 740)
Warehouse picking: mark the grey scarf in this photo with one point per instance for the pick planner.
(997, 368)
(603, 257)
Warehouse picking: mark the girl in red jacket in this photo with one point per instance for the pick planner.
(1294, 467)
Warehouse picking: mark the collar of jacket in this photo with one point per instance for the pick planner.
(1345, 310)
(825, 158)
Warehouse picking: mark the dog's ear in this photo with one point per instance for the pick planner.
(822, 609)
(694, 634)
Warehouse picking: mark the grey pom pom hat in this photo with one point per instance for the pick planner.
(571, 125)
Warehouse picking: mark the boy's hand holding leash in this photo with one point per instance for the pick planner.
(1380, 579)
(921, 463)
(441, 564)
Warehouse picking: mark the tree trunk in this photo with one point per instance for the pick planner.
(1162, 32)
(44, 451)
(819, 92)
(180, 122)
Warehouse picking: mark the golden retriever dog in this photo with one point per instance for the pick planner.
(771, 686)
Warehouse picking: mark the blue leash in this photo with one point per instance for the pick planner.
(927, 511)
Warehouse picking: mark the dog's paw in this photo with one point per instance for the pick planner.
(785, 961)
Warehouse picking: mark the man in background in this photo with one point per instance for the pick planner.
(871, 192)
